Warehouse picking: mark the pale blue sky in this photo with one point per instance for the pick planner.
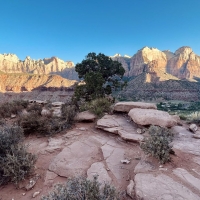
(69, 29)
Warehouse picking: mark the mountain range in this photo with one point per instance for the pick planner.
(150, 72)
(183, 64)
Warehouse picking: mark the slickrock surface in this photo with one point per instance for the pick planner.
(185, 142)
(157, 187)
(185, 176)
(98, 169)
(85, 150)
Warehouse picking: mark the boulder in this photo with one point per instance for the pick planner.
(152, 117)
(45, 112)
(57, 104)
(85, 116)
(56, 111)
(127, 106)
(193, 128)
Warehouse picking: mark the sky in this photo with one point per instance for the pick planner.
(70, 29)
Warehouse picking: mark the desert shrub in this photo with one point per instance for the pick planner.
(15, 162)
(14, 107)
(30, 122)
(158, 144)
(195, 121)
(50, 126)
(182, 117)
(68, 112)
(34, 122)
(97, 106)
(35, 107)
(81, 188)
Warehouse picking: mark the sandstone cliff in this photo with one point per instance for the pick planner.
(183, 64)
(10, 63)
(29, 82)
(144, 57)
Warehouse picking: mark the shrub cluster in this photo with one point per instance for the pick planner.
(14, 107)
(97, 106)
(81, 188)
(34, 122)
(158, 144)
(15, 161)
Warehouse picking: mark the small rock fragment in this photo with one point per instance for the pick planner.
(31, 184)
(193, 128)
(130, 189)
(13, 116)
(163, 169)
(139, 131)
(36, 194)
(125, 161)
(82, 129)
(23, 194)
(137, 158)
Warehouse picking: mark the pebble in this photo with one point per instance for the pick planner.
(125, 161)
(35, 194)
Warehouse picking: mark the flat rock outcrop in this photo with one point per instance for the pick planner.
(119, 125)
(150, 186)
(188, 178)
(73, 160)
(152, 117)
(127, 106)
(184, 141)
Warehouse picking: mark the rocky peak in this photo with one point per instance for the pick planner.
(116, 55)
(9, 57)
(126, 56)
(145, 56)
(10, 63)
(185, 50)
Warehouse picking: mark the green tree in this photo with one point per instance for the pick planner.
(101, 75)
